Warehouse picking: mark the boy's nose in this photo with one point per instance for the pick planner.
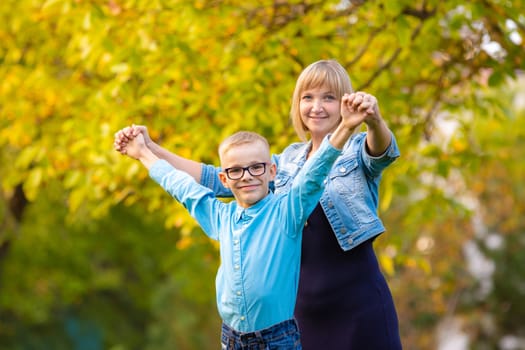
(246, 175)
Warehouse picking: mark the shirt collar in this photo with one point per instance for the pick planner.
(241, 212)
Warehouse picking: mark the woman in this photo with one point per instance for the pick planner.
(343, 300)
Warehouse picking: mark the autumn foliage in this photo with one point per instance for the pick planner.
(92, 252)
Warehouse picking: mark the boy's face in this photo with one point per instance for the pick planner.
(248, 189)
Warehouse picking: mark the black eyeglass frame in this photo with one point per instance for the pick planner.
(249, 168)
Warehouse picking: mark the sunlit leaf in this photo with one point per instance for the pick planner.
(387, 264)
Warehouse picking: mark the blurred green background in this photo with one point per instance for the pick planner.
(94, 255)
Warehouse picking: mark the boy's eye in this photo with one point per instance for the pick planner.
(257, 167)
(235, 171)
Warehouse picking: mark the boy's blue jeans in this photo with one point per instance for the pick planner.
(282, 336)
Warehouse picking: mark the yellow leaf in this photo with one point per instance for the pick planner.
(425, 266)
(387, 196)
(459, 145)
(50, 3)
(184, 242)
(120, 68)
(246, 64)
(26, 157)
(86, 24)
(32, 183)
(73, 178)
(76, 198)
(387, 264)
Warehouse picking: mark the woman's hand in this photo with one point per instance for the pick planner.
(359, 107)
(125, 135)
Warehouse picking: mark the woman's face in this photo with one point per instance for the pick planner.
(320, 111)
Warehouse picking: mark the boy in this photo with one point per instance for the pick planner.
(259, 232)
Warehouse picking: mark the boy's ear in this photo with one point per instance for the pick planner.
(223, 178)
(273, 171)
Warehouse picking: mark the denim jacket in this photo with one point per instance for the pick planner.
(350, 199)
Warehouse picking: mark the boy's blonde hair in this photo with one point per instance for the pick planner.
(327, 73)
(241, 138)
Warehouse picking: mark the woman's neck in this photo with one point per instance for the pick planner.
(315, 144)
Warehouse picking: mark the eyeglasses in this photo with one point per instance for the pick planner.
(235, 173)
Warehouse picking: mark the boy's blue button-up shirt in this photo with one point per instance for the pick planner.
(351, 195)
(260, 246)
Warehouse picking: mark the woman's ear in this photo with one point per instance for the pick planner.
(223, 178)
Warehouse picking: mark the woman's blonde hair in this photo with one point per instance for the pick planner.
(328, 73)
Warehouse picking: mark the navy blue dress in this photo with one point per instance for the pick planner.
(343, 300)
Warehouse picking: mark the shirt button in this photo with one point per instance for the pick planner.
(236, 267)
(238, 293)
(236, 242)
(342, 169)
(242, 318)
(350, 241)
(330, 205)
